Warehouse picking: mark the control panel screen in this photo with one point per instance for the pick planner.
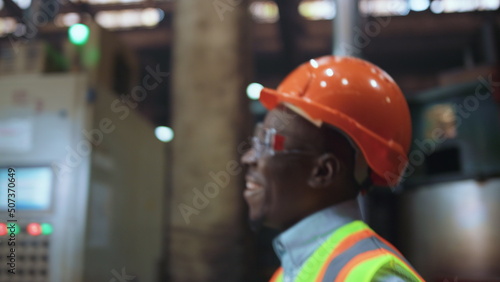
(33, 188)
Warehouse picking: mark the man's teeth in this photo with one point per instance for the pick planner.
(252, 185)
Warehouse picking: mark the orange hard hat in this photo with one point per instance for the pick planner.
(359, 99)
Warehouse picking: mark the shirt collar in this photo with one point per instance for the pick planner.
(296, 244)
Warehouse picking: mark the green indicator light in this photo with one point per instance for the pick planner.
(78, 34)
(46, 229)
(16, 228)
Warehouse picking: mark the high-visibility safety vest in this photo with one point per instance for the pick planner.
(353, 253)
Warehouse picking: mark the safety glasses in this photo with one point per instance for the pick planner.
(267, 142)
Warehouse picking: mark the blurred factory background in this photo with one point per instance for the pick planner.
(125, 120)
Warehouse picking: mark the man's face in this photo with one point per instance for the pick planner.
(276, 185)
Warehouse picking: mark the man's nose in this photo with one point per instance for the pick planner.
(249, 158)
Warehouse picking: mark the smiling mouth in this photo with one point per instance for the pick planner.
(252, 188)
(252, 185)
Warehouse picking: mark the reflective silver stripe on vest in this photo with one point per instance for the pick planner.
(368, 244)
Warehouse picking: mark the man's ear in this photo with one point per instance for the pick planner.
(324, 172)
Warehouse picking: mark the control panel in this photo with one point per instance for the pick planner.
(26, 253)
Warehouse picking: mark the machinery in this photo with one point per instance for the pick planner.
(449, 209)
(88, 175)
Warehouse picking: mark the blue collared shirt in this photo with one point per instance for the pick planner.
(295, 245)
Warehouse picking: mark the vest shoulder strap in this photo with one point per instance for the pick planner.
(364, 267)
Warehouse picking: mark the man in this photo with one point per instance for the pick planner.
(336, 125)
